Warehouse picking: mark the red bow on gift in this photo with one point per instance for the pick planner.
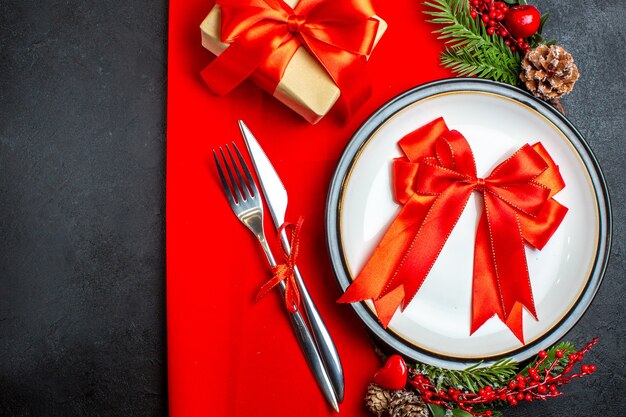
(265, 34)
(434, 182)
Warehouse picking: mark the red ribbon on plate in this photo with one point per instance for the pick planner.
(265, 34)
(433, 182)
(284, 271)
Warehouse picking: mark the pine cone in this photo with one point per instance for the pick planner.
(407, 404)
(549, 72)
(377, 399)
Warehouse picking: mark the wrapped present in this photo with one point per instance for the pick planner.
(309, 54)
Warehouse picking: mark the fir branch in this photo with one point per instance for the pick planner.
(471, 379)
(481, 62)
(471, 51)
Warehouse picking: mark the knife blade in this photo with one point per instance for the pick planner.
(276, 198)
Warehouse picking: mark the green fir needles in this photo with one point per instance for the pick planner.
(470, 50)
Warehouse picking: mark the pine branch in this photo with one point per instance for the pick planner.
(473, 378)
(481, 62)
(470, 50)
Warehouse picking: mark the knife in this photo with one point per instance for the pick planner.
(276, 198)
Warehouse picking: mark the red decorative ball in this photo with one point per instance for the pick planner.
(558, 354)
(522, 21)
(542, 354)
(393, 375)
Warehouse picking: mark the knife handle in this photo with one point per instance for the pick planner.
(323, 341)
(308, 345)
(313, 357)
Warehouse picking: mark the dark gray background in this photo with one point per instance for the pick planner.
(82, 151)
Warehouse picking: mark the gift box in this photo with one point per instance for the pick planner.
(305, 85)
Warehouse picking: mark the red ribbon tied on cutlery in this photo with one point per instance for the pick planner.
(284, 271)
(265, 34)
(433, 182)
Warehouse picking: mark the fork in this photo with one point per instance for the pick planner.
(245, 200)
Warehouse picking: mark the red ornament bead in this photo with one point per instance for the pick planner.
(492, 14)
(520, 378)
(488, 413)
(507, 42)
(535, 377)
(485, 18)
(558, 353)
(513, 48)
(571, 357)
(491, 30)
(528, 397)
(542, 354)
(541, 389)
(592, 368)
(512, 385)
(522, 21)
(473, 13)
(514, 402)
(585, 369)
(519, 396)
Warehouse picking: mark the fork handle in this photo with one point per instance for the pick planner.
(324, 342)
(306, 341)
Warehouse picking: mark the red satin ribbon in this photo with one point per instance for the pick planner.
(265, 34)
(284, 271)
(433, 182)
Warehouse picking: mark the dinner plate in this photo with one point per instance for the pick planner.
(496, 120)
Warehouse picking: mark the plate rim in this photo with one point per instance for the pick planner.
(388, 110)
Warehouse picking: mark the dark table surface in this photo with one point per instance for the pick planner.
(82, 151)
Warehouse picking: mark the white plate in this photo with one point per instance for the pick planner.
(496, 122)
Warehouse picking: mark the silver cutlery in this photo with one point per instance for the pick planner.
(245, 201)
(276, 199)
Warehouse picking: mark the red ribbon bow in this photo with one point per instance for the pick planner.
(265, 34)
(284, 271)
(434, 182)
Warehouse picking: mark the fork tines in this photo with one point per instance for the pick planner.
(238, 190)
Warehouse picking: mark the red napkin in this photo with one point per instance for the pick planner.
(226, 355)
